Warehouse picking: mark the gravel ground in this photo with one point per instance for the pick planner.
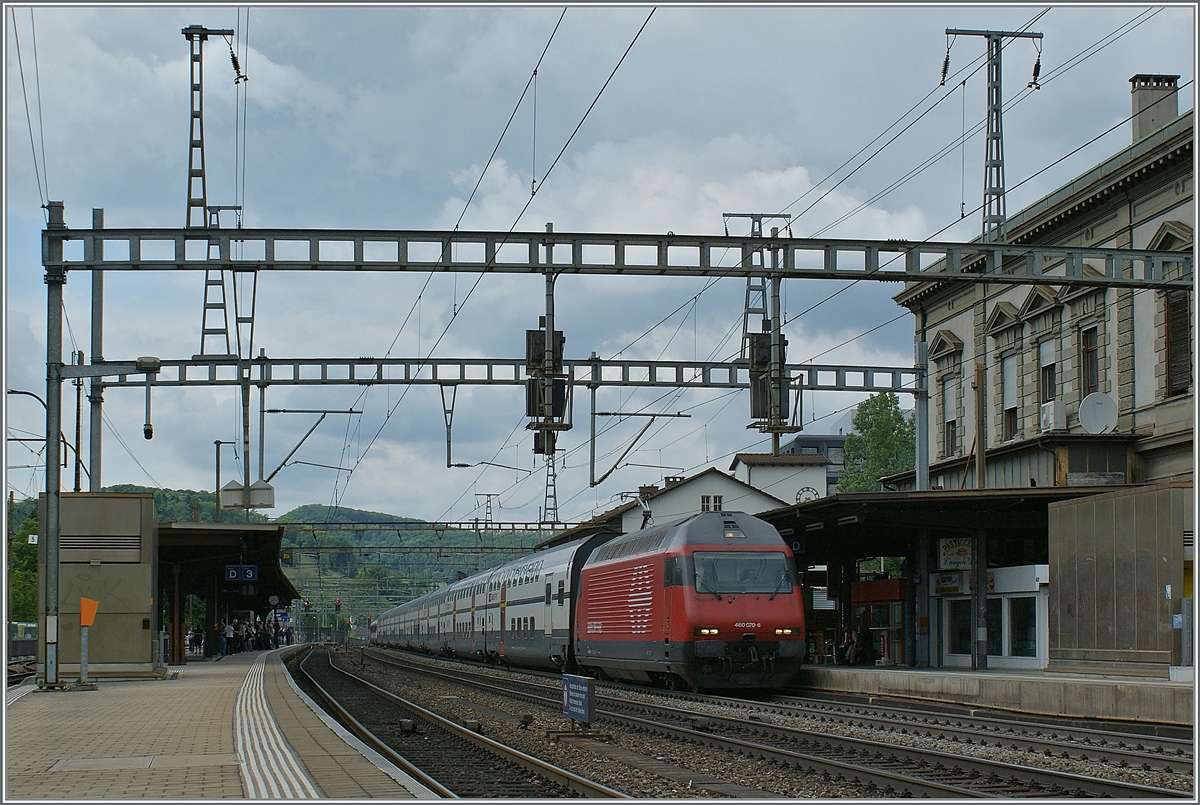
(753, 773)
(750, 772)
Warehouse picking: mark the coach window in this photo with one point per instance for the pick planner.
(549, 593)
(562, 587)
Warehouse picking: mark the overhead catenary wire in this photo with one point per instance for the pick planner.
(1074, 62)
(37, 172)
(520, 215)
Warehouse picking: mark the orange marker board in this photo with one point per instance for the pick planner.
(87, 611)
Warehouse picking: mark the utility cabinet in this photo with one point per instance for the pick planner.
(108, 551)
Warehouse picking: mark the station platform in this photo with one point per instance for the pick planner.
(1045, 693)
(237, 728)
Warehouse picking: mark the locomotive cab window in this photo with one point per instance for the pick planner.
(721, 572)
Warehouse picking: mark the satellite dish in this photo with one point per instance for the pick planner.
(1097, 413)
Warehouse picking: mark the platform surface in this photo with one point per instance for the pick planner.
(1071, 695)
(232, 728)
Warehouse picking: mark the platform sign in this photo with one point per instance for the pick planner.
(282, 616)
(241, 572)
(578, 695)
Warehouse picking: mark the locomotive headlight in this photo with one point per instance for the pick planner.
(783, 631)
(706, 631)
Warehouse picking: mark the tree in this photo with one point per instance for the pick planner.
(24, 573)
(883, 443)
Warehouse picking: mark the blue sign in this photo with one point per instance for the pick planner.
(241, 572)
(578, 695)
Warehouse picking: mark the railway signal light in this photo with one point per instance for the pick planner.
(337, 605)
(306, 604)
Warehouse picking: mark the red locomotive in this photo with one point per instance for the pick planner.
(711, 601)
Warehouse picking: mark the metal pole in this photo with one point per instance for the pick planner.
(979, 655)
(78, 424)
(922, 415)
(246, 438)
(776, 368)
(217, 485)
(96, 388)
(56, 277)
(83, 655)
(980, 387)
(262, 418)
(548, 352)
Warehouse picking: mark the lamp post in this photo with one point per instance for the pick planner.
(217, 488)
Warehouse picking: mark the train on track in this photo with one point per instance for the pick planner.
(707, 602)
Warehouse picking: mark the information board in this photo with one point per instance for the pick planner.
(578, 694)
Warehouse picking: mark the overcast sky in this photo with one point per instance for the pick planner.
(385, 117)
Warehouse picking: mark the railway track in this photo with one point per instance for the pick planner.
(449, 758)
(1061, 739)
(877, 766)
(18, 672)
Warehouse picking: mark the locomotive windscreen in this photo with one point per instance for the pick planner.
(742, 572)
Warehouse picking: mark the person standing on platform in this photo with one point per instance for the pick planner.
(222, 641)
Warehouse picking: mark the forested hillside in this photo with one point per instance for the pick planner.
(328, 552)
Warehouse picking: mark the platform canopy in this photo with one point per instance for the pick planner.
(868, 524)
(203, 551)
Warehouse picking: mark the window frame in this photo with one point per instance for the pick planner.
(1010, 394)
(1089, 359)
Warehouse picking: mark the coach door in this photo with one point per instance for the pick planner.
(548, 609)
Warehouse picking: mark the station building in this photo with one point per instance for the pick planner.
(1087, 525)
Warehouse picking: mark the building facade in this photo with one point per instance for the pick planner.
(1076, 386)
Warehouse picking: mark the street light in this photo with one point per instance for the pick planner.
(217, 487)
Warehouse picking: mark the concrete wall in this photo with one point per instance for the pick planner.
(1112, 557)
(109, 553)
(1042, 694)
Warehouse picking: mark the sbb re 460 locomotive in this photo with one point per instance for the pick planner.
(710, 602)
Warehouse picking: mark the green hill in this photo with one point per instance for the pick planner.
(327, 557)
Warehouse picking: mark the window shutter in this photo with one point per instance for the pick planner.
(1008, 375)
(1179, 343)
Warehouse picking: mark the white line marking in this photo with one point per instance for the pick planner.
(269, 769)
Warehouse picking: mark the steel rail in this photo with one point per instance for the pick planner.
(1081, 743)
(890, 783)
(567, 779)
(1045, 778)
(369, 738)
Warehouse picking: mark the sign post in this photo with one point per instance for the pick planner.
(578, 697)
(87, 616)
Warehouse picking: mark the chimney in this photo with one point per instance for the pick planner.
(647, 492)
(1155, 102)
(672, 480)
